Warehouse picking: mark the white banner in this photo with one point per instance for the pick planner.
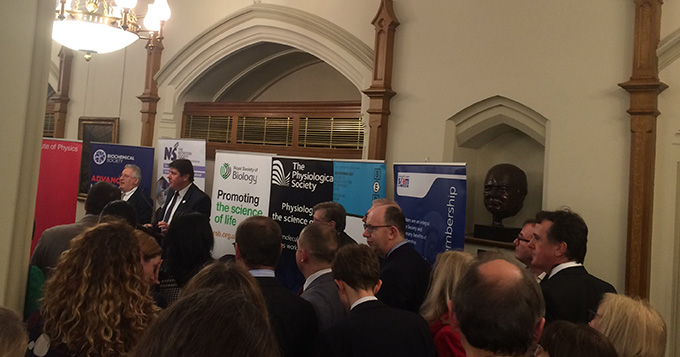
(241, 188)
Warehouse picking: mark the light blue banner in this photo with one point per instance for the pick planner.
(432, 197)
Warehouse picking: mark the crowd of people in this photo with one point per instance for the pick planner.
(118, 285)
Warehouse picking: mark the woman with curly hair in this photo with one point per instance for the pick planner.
(96, 303)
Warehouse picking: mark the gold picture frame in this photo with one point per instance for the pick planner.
(93, 129)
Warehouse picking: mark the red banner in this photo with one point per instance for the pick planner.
(57, 196)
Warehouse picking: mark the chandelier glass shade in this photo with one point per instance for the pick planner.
(98, 26)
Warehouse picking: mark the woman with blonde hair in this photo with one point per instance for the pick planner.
(448, 269)
(632, 325)
(96, 302)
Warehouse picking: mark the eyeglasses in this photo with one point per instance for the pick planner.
(522, 239)
(370, 228)
(592, 315)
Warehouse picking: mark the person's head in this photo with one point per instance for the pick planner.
(188, 243)
(385, 227)
(498, 307)
(99, 195)
(505, 188)
(567, 339)
(316, 248)
(258, 242)
(356, 266)
(559, 237)
(522, 251)
(101, 272)
(13, 337)
(210, 322)
(129, 177)
(331, 213)
(119, 209)
(448, 269)
(633, 326)
(231, 277)
(379, 202)
(181, 174)
(151, 256)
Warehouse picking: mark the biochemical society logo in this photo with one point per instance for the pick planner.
(298, 178)
(402, 181)
(100, 157)
(239, 173)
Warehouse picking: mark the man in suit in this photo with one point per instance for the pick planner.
(258, 247)
(316, 249)
(131, 192)
(371, 328)
(498, 308)
(56, 240)
(333, 214)
(559, 245)
(404, 273)
(183, 196)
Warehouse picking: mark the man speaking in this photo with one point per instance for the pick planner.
(135, 195)
(183, 196)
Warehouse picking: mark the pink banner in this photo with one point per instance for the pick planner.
(57, 196)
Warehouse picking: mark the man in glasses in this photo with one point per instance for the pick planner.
(333, 214)
(523, 252)
(403, 271)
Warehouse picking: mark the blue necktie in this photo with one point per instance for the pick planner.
(168, 209)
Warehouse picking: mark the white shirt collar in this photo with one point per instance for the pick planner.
(563, 266)
(313, 277)
(362, 300)
(262, 273)
(127, 195)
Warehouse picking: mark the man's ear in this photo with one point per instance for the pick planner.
(332, 224)
(377, 286)
(341, 286)
(303, 255)
(453, 321)
(539, 330)
(561, 248)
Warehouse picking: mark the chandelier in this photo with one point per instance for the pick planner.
(101, 26)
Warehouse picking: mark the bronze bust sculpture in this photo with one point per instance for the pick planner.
(505, 188)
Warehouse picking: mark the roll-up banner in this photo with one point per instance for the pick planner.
(240, 189)
(108, 161)
(286, 189)
(56, 199)
(170, 150)
(432, 196)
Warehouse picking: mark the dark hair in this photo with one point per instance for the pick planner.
(530, 221)
(496, 315)
(567, 339)
(259, 241)
(13, 338)
(357, 265)
(333, 211)
(188, 244)
(99, 195)
(395, 217)
(209, 322)
(121, 210)
(567, 227)
(229, 276)
(320, 241)
(184, 166)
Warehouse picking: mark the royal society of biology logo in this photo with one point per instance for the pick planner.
(225, 170)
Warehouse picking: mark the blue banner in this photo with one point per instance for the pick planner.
(107, 161)
(357, 183)
(432, 197)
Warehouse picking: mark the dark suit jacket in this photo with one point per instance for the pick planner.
(405, 276)
(142, 203)
(322, 293)
(570, 293)
(344, 239)
(56, 240)
(194, 200)
(373, 329)
(291, 317)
